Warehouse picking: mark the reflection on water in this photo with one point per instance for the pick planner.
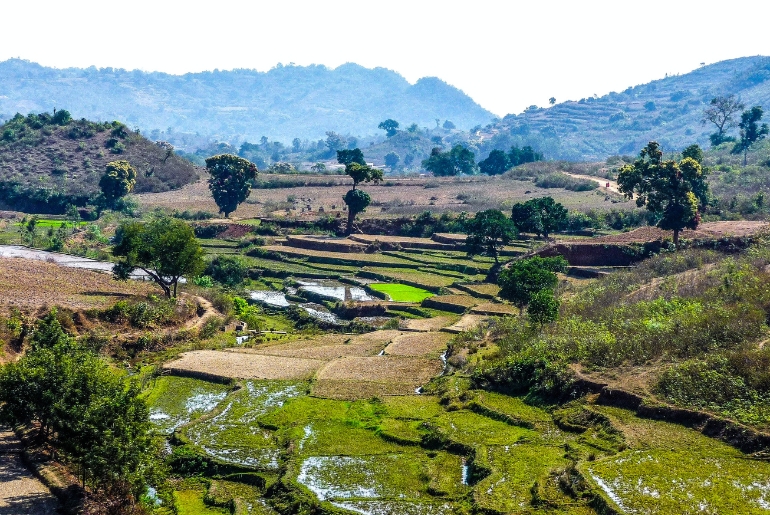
(336, 290)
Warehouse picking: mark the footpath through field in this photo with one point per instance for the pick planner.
(20, 491)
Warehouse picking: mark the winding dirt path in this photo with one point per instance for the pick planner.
(208, 312)
(599, 180)
(20, 491)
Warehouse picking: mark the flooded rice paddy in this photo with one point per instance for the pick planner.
(411, 455)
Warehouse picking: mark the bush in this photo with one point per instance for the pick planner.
(227, 270)
(560, 180)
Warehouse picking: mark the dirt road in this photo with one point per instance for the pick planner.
(602, 182)
(20, 491)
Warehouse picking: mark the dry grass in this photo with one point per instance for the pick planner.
(466, 323)
(353, 390)
(382, 369)
(32, 283)
(20, 491)
(418, 344)
(707, 231)
(240, 365)
(401, 197)
(427, 324)
(491, 308)
(453, 303)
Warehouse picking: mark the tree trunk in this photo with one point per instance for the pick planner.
(351, 217)
(745, 156)
(176, 281)
(676, 239)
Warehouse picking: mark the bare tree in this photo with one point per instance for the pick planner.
(721, 113)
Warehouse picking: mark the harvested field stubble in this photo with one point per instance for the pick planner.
(418, 344)
(32, 283)
(239, 365)
(410, 370)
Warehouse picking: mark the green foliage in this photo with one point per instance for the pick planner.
(392, 159)
(118, 180)
(673, 190)
(497, 163)
(389, 126)
(164, 248)
(750, 131)
(488, 232)
(721, 113)
(543, 307)
(230, 180)
(519, 156)
(348, 157)
(227, 270)
(83, 408)
(458, 160)
(525, 277)
(357, 201)
(363, 173)
(539, 215)
(143, 314)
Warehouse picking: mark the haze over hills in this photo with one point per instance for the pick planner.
(283, 103)
(668, 110)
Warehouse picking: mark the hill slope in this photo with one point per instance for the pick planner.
(47, 162)
(667, 110)
(283, 103)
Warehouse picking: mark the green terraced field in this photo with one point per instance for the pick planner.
(401, 292)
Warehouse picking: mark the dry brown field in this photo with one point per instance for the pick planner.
(418, 344)
(33, 284)
(239, 365)
(393, 197)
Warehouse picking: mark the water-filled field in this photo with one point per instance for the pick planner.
(417, 454)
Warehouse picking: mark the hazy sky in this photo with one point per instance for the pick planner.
(507, 55)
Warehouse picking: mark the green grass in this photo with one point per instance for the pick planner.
(401, 292)
(190, 502)
(671, 469)
(174, 401)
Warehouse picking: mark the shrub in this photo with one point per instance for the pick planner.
(227, 270)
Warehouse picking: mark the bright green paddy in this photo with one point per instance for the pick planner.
(401, 292)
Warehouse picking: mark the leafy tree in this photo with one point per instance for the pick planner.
(165, 249)
(496, 164)
(118, 180)
(722, 113)
(296, 145)
(335, 142)
(348, 157)
(318, 167)
(390, 127)
(488, 232)
(356, 167)
(456, 161)
(693, 151)
(61, 117)
(413, 129)
(672, 190)
(541, 216)
(751, 131)
(230, 181)
(518, 156)
(392, 159)
(543, 307)
(227, 270)
(82, 407)
(552, 100)
(526, 277)
(449, 125)
(357, 202)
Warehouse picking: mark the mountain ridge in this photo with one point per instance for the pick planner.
(282, 103)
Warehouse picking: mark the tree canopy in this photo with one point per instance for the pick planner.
(347, 157)
(751, 131)
(392, 159)
(488, 232)
(496, 164)
(721, 112)
(118, 180)
(357, 202)
(541, 216)
(458, 160)
(526, 277)
(230, 181)
(82, 407)
(390, 127)
(672, 190)
(164, 248)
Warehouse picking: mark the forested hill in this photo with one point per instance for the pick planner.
(667, 110)
(283, 103)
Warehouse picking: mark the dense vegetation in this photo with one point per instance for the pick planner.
(49, 161)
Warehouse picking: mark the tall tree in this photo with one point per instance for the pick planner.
(495, 164)
(541, 216)
(675, 191)
(721, 112)
(356, 167)
(524, 278)
(118, 180)
(390, 127)
(458, 160)
(165, 249)
(392, 159)
(230, 181)
(751, 131)
(488, 232)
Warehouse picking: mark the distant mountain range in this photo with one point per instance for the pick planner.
(283, 103)
(667, 110)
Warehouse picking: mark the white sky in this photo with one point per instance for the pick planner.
(507, 55)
